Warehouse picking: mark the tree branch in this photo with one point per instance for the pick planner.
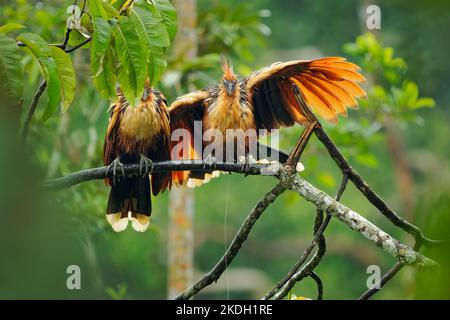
(358, 223)
(163, 166)
(369, 193)
(294, 275)
(34, 102)
(321, 200)
(237, 242)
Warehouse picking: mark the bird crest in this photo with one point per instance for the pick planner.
(227, 69)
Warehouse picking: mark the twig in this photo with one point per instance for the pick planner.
(386, 277)
(300, 261)
(319, 283)
(34, 102)
(124, 9)
(237, 242)
(319, 228)
(369, 193)
(87, 40)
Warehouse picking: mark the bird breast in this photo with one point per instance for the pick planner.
(229, 112)
(140, 124)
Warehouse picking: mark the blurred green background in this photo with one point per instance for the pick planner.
(398, 140)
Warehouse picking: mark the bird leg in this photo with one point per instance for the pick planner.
(116, 166)
(246, 161)
(296, 153)
(311, 124)
(145, 165)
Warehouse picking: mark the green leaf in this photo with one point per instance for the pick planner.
(96, 8)
(424, 103)
(53, 87)
(118, 4)
(66, 75)
(101, 59)
(42, 52)
(11, 71)
(36, 44)
(110, 10)
(156, 69)
(152, 22)
(6, 28)
(169, 16)
(130, 56)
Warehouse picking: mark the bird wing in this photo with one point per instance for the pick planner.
(111, 135)
(160, 150)
(328, 86)
(183, 113)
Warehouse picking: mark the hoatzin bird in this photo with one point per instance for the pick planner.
(276, 96)
(136, 134)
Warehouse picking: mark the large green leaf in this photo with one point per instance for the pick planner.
(105, 79)
(117, 4)
(169, 16)
(53, 87)
(147, 17)
(10, 27)
(96, 8)
(42, 52)
(132, 60)
(101, 66)
(11, 71)
(156, 70)
(66, 75)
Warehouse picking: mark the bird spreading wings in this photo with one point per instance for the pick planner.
(269, 99)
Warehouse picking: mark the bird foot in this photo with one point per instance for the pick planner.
(116, 166)
(246, 162)
(145, 166)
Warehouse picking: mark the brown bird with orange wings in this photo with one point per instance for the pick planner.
(136, 134)
(277, 96)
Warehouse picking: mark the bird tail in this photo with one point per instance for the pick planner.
(130, 200)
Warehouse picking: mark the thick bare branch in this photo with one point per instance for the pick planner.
(358, 223)
(164, 166)
(367, 191)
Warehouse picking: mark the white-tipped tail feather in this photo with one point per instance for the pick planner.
(118, 222)
(193, 183)
(140, 222)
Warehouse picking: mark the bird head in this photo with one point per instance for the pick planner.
(229, 79)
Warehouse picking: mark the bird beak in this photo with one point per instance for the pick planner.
(229, 86)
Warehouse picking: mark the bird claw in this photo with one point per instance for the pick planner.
(246, 164)
(246, 167)
(116, 166)
(145, 166)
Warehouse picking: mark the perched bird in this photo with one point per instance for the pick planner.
(276, 96)
(136, 134)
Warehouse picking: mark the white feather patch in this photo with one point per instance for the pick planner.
(140, 222)
(116, 221)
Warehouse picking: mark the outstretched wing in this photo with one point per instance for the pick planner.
(328, 86)
(184, 112)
